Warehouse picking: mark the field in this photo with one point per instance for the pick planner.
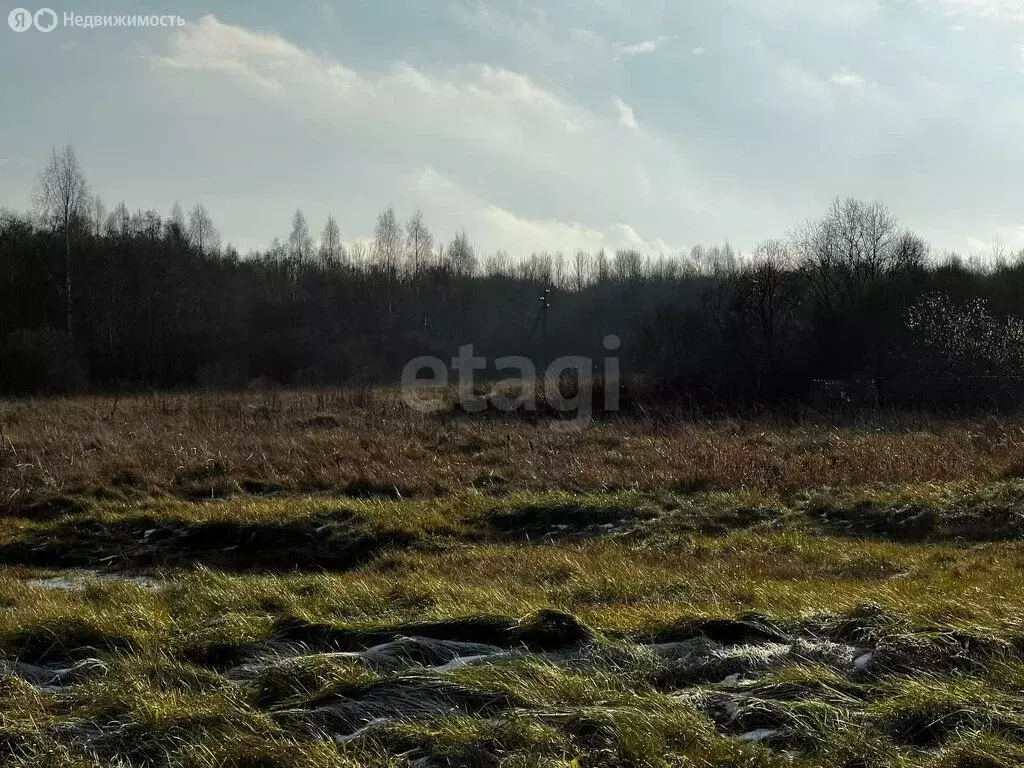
(268, 580)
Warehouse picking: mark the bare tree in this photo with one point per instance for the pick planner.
(581, 266)
(357, 254)
(388, 242)
(61, 196)
(300, 243)
(603, 267)
(331, 249)
(910, 252)
(147, 223)
(767, 296)
(498, 264)
(852, 246)
(419, 243)
(462, 255)
(176, 227)
(119, 221)
(276, 253)
(558, 270)
(203, 236)
(628, 265)
(99, 215)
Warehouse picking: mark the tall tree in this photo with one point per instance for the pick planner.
(203, 236)
(300, 243)
(61, 196)
(603, 267)
(388, 242)
(176, 227)
(581, 270)
(331, 249)
(99, 215)
(419, 243)
(119, 221)
(462, 255)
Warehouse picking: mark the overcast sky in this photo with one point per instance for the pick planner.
(549, 125)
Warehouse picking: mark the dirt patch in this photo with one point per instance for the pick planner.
(718, 522)
(916, 523)
(332, 541)
(743, 631)
(539, 523)
(542, 631)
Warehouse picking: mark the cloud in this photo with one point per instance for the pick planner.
(477, 146)
(847, 79)
(495, 228)
(1004, 241)
(627, 117)
(529, 29)
(569, 237)
(521, 106)
(624, 51)
(1011, 10)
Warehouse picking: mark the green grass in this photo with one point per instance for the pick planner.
(629, 628)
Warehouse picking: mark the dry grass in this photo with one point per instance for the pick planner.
(214, 669)
(369, 443)
(649, 592)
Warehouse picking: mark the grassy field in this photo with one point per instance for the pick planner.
(324, 579)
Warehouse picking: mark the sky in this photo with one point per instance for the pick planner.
(555, 125)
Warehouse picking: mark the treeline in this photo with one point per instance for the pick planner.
(91, 300)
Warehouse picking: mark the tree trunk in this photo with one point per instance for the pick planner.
(67, 277)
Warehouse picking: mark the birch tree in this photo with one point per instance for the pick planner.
(61, 196)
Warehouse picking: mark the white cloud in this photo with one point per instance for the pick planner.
(494, 228)
(627, 117)
(428, 181)
(1012, 10)
(847, 79)
(569, 237)
(629, 51)
(477, 146)
(530, 29)
(755, 136)
(1005, 241)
